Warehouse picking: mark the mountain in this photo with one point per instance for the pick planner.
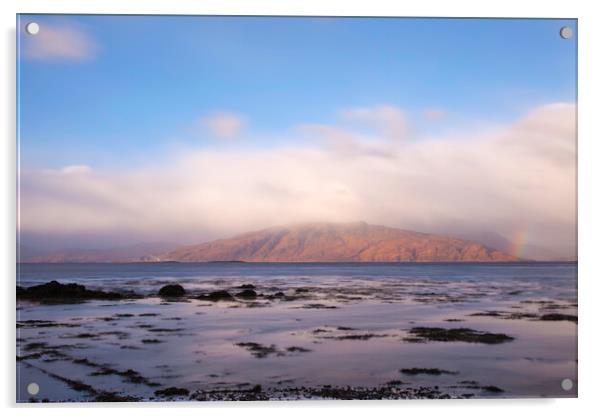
(337, 242)
(137, 252)
(499, 242)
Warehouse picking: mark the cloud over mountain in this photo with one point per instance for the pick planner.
(519, 176)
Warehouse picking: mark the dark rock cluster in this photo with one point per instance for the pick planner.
(172, 291)
(56, 290)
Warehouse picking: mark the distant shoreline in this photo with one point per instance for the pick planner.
(225, 262)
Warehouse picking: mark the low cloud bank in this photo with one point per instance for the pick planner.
(514, 179)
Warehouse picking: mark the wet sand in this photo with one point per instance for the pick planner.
(328, 338)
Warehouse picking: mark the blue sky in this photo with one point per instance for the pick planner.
(185, 129)
(150, 78)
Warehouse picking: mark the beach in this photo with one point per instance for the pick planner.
(300, 331)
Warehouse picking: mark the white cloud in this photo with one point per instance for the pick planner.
(515, 177)
(65, 41)
(75, 169)
(224, 125)
(434, 114)
(390, 121)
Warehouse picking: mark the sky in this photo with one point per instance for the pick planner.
(189, 128)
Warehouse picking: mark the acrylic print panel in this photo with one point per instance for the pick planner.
(256, 208)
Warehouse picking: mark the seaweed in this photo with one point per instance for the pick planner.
(318, 306)
(258, 350)
(358, 337)
(458, 335)
(558, 317)
(151, 341)
(297, 349)
(429, 371)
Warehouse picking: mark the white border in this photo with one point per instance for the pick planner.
(590, 200)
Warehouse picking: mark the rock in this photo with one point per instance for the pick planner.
(113, 397)
(219, 295)
(172, 391)
(277, 295)
(247, 294)
(172, 291)
(246, 286)
(492, 389)
(56, 290)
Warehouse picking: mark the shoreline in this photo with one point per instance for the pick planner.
(242, 262)
(218, 336)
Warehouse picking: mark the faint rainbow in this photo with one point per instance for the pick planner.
(519, 242)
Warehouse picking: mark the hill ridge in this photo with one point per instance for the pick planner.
(331, 242)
